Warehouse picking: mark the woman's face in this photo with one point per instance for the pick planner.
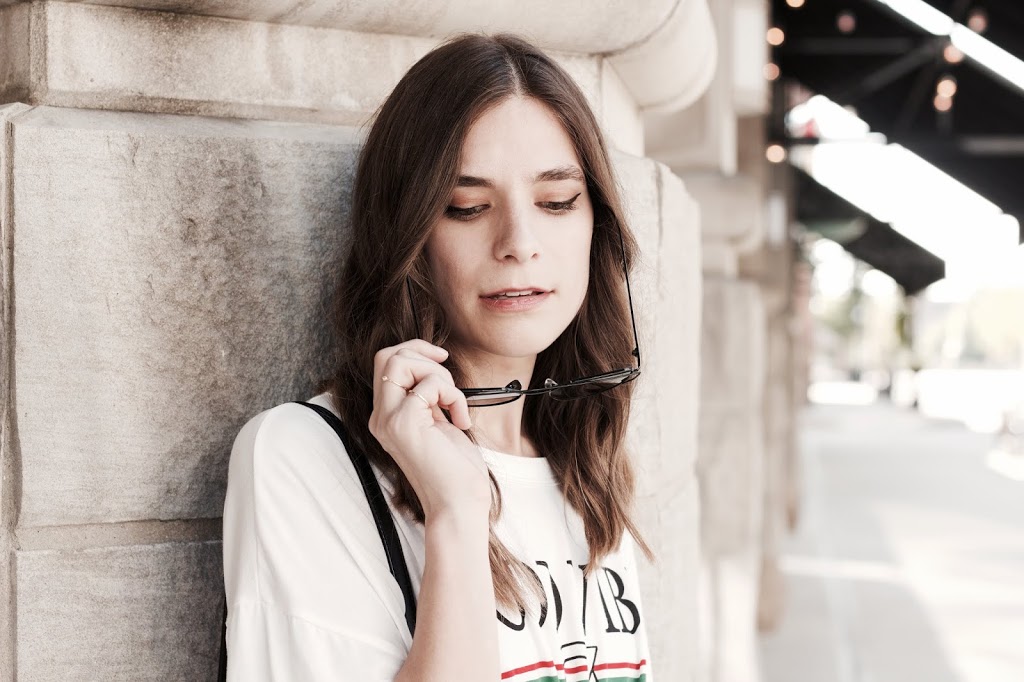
(510, 256)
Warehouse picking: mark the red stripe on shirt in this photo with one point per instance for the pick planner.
(560, 667)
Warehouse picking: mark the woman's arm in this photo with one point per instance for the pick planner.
(456, 635)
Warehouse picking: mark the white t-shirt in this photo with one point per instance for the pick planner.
(310, 596)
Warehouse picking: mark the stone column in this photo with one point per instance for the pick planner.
(719, 157)
(173, 190)
(772, 269)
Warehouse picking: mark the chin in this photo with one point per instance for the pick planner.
(521, 345)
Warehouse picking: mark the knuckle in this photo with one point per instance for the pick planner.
(391, 364)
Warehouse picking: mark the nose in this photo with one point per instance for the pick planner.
(517, 238)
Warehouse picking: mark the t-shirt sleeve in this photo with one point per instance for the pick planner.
(310, 596)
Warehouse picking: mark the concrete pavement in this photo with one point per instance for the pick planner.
(908, 563)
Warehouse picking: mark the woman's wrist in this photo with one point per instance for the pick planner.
(464, 521)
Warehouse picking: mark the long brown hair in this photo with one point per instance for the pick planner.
(406, 175)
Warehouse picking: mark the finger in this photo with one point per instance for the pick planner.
(439, 393)
(435, 353)
(407, 371)
(403, 372)
(428, 350)
(419, 357)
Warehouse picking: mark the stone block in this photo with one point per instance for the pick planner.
(116, 58)
(731, 431)
(731, 473)
(171, 277)
(619, 113)
(662, 434)
(14, 53)
(120, 613)
(732, 345)
(719, 259)
(599, 25)
(336, 64)
(732, 208)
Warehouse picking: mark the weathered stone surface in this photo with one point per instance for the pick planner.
(124, 613)
(673, 65)
(719, 259)
(171, 275)
(730, 469)
(729, 603)
(14, 53)
(731, 473)
(599, 26)
(96, 56)
(10, 465)
(618, 113)
(731, 429)
(732, 346)
(662, 435)
(732, 208)
(703, 135)
(670, 490)
(115, 58)
(665, 48)
(772, 268)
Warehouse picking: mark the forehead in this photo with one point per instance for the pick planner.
(517, 138)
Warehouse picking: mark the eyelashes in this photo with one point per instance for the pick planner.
(471, 212)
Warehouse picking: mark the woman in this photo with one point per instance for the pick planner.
(488, 247)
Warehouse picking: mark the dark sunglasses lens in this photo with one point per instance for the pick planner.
(490, 399)
(595, 385)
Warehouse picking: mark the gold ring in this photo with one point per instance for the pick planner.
(389, 379)
(412, 392)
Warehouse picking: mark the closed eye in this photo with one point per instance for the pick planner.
(561, 206)
(464, 213)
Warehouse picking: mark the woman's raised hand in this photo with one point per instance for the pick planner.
(445, 468)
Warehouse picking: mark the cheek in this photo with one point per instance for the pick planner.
(576, 259)
(441, 257)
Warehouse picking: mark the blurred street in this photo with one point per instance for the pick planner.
(908, 562)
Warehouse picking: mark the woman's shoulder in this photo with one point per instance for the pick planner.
(286, 436)
(290, 419)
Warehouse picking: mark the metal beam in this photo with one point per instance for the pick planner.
(849, 46)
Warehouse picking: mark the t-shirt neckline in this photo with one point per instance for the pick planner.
(530, 470)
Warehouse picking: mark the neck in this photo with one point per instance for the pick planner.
(499, 427)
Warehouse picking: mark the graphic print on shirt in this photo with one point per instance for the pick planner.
(572, 604)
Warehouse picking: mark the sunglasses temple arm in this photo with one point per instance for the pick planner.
(412, 305)
(629, 296)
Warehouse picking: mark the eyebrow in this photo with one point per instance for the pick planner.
(570, 172)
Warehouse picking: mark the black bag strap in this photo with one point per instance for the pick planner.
(381, 516)
(381, 513)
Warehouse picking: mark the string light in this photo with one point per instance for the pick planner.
(771, 71)
(952, 54)
(776, 36)
(977, 20)
(946, 87)
(943, 104)
(846, 21)
(795, 4)
(775, 153)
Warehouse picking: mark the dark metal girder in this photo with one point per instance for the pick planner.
(849, 46)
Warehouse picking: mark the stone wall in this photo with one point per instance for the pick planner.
(174, 179)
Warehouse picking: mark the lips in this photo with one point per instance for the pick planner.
(514, 293)
(515, 300)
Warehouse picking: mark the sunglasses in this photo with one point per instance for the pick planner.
(572, 390)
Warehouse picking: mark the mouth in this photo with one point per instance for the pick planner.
(515, 293)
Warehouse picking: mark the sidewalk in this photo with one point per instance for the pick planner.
(908, 565)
